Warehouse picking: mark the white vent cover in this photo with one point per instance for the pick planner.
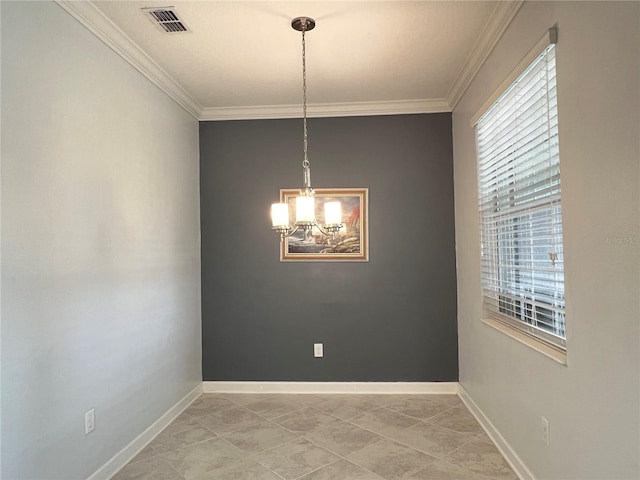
(166, 18)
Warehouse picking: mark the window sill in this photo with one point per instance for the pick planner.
(537, 345)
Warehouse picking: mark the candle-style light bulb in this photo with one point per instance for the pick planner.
(305, 206)
(332, 213)
(280, 215)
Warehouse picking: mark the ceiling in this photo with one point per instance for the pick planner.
(242, 59)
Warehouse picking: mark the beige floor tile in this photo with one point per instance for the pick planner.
(305, 421)
(383, 421)
(183, 417)
(242, 469)
(483, 437)
(203, 460)
(183, 431)
(244, 398)
(272, 407)
(458, 419)
(442, 470)
(346, 406)
(145, 454)
(482, 458)
(452, 400)
(296, 398)
(343, 438)
(431, 439)
(216, 438)
(342, 470)
(294, 459)
(156, 468)
(259, 437)
(304, 399)
(229, 420)
(421, 407)
(391, 460)
(384, 399)
(208, 403)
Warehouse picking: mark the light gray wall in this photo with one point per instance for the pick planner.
(100, 248)
(390, 319)
(593, 401)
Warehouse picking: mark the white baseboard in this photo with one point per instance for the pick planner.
(507, 451)
(125, 455)
(332, 387)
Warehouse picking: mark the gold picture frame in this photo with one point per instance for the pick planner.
(350, 244)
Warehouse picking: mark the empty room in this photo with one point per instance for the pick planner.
(340, 240)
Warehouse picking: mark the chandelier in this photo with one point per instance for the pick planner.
(305, 218)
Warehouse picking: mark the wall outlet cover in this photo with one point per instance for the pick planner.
(546, 437)
(89, 421)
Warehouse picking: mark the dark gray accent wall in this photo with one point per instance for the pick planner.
(390, 319)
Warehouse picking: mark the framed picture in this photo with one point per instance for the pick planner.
(350, 244)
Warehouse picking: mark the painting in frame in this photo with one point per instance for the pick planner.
(350, 244)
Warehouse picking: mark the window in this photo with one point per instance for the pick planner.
(520, 205)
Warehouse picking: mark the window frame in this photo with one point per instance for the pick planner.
(535, 315)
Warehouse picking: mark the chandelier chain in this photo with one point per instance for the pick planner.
(305, 162)
(305, 203)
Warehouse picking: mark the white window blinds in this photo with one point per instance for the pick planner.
(519, 196)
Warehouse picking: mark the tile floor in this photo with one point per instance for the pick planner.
(321, 437)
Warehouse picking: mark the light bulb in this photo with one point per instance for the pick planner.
(280, 215)
(305, 207)
(332, 213)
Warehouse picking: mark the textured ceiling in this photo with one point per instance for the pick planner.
(245, 54)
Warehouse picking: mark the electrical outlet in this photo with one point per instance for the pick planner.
(546, 437)
(89, 421)
(318, 351)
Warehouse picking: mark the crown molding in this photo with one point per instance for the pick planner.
(353, 109)
(97, 23)
(493, 30)
(100, 25)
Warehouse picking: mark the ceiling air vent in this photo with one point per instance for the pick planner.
(166, 18)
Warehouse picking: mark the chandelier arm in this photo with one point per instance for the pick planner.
(319, 227)
(288, 233)
(328, 231)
